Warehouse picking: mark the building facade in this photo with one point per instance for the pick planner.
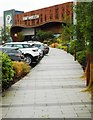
(9, 19)
(46, 19)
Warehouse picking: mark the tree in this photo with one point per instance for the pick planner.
(85, 34)
(5, 34)
(67, 33)
(20, 36)
(41, 35)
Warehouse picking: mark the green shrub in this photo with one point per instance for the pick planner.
(78, 44)
(59, 46)
(72, 47)
(81, 57)
(6, 69)
(64, 47)
(9, 70)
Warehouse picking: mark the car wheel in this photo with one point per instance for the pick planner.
(28, 59)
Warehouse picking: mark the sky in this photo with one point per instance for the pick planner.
(27, 5)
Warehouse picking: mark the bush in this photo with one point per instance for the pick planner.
(81, 57)
(21, 69)
(26, 68)
(9, 70)
(72, 46)
(78, 45)
(54, 45)
(59, 46)
(6, 69)
(64, 47)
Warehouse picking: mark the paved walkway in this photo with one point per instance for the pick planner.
(51, 90)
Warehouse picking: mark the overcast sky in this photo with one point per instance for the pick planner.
(27, 5)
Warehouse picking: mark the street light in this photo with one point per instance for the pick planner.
(74, 11)
(74, 23)
(74, 17)
(15, 34)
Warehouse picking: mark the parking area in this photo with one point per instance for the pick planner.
(53, 89)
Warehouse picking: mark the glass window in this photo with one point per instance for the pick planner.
(37, 45)
(26, 46)
(18, 45)
(7, 45)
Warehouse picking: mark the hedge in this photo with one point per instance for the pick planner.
(11, 71)
(6, 69)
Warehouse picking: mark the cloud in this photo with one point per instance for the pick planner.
(27, 5)
(1, 21)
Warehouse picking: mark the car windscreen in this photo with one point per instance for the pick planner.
(7, 45)
(37, 45)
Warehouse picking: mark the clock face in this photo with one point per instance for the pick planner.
(8, 20)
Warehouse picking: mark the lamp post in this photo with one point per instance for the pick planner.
(74, 23)
(74, 11)
(74, 17)
(15, 34)
(15, 37)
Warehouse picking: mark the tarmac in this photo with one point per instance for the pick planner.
(53, 89)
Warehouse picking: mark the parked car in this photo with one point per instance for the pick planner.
(31, 54)
(39, 50)
(46, 49)
(14, 53)
(42, 46)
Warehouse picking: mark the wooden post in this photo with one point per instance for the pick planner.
(88, 70)
(75, 53)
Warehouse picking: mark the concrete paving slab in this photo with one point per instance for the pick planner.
(53, 89)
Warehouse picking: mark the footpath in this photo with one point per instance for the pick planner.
(53, 89)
